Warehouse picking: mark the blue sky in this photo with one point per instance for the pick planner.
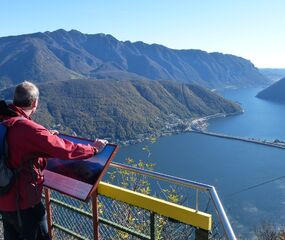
(253, 29)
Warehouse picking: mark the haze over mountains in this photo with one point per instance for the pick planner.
(58, 55)
(273, 74)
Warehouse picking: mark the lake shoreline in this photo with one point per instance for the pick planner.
(199, 126)
(182, 126)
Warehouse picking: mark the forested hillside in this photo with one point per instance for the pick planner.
(124, 110)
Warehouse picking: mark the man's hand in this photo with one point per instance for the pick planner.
(100, 144)
(54, 132)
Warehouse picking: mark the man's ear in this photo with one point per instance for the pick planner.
(35, 103)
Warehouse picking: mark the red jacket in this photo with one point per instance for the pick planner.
(28, 143)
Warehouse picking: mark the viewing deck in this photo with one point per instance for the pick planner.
(134, 203)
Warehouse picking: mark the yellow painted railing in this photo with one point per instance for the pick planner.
(116, 211)
(183, 214)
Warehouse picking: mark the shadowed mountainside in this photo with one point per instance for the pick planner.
(124, 110)
(275, 92)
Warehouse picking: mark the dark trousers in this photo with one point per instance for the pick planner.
(34, 224)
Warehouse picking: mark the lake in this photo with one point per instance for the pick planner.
(261, 119)
(231, 166)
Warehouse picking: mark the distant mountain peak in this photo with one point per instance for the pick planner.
(62, 54)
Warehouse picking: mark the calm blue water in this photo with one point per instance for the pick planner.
(261, 119)
(230, 165)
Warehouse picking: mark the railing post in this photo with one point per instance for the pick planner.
(201, 234)
(152, 226)
(197, 200)
(95, 215)
(224, 221)
(48, 210)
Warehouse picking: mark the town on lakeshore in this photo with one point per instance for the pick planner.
(199, 126)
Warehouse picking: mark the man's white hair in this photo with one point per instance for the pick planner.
(25, 94)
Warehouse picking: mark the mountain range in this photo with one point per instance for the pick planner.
(123, 110)
(61, 55)
(274, 92)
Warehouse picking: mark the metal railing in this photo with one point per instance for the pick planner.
(73, 219)
(192, 184)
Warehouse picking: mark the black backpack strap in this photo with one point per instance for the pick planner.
(18, 205)
(15, 175)
(10, 173)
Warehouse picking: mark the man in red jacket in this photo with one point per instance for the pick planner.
(30, 144)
